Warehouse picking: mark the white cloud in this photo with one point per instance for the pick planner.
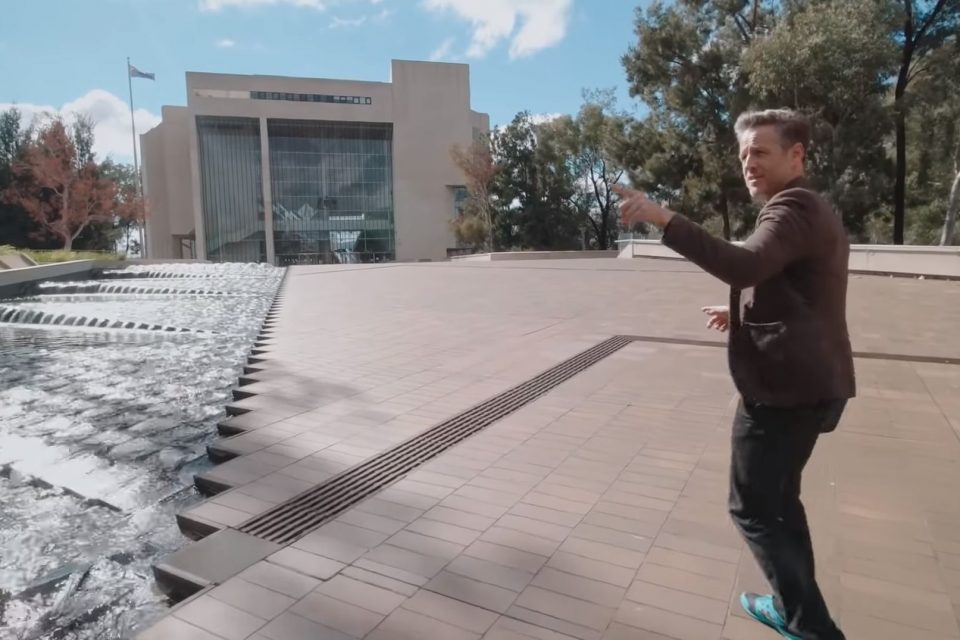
(384, 14)
(443, 50)
(111, 117)
(347, 23)
(226, 43)
(542, 23)
(217, 5)
(540, 118)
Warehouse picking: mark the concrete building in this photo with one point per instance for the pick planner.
(302, 170)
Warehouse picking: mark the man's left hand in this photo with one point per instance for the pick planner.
(635, 207)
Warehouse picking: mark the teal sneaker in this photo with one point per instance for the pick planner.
(762, 609)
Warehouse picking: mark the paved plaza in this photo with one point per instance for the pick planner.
(596, 511)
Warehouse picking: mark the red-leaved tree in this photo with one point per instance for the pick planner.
(60, 186)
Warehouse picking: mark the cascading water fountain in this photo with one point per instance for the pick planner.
(109, 392)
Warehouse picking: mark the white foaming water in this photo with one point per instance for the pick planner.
(101, 432)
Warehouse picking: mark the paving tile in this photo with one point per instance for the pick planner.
(389, 509)
(327, 546)
(391, 572)
(856, 625)
(519, 540)
(242, 502)
(613, 537)
(692, 563)
(681, 580)
(406, 560)
(672, 625)
(506, 556)
(403, 624)
(448, 532)
(682, 602)
(280, 579)
(543, 514)
(465, 589)
(576, 586)
(619, 523)
(538, 499)
(697, 547)
(544, 621)
(459, 518)
(357, 592)
(490, 572)
(564, 607)
(219, 618)
(512, 629)
(547, 530)
(604, 552)
(591, 568)
(289, 626)
(372, 521)
(337, 614)
(467, 505)
(426, 545)
(617, 631)
(306, 563)
(379, 580)
(171, 627)
(252, 598)
(454, 612)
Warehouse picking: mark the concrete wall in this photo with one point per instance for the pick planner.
(17, 282)
(427, 102)
(534, 255)
(431, 114)
(864, 258)
(168, 185)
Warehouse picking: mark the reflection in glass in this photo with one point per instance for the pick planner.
(230, 178)
(332, 191)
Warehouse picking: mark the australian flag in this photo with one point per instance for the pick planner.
(136, 73)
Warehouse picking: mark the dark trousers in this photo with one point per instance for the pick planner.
(771, 446)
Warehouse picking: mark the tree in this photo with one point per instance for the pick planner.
(832, 60)
(128, 211)
(686, 68)
(925, 25)
(532, 190)
(590, 141)
(475, 226)
(57, 183)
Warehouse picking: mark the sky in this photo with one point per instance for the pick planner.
(69, 56)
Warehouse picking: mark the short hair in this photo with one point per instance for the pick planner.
(792, 126)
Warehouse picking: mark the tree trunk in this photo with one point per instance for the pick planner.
(603, 237)
(725, 215)
(950, 222)
(68, 243)
(900, 113)
(900, 182)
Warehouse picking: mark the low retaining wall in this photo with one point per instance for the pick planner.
(534, 255)
(16, 282)
(937, 262)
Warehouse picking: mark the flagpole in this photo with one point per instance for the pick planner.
(136, 163)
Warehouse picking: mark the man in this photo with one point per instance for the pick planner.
(789, 354)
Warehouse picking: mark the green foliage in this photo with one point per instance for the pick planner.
(59, 255)
(532, 190)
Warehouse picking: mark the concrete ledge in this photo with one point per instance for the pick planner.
(16, 282)
(936, 262)
(210, 561)
(534, 255)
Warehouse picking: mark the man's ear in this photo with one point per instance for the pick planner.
(798, 151)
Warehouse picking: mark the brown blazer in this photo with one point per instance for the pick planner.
(792, 347)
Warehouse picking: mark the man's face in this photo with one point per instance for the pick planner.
(767, 165)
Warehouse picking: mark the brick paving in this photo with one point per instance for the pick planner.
(598, 510)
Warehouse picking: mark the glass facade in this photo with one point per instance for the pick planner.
(231, 187)
(332, 191)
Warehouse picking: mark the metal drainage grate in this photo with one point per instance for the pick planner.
(301, 514)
